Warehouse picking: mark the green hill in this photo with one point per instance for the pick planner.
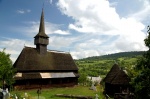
(100, 65)
(116, 55)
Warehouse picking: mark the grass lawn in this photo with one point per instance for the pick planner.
(51, 92)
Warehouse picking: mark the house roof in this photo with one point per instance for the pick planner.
(30, 60)
(121, 78)
(112, 73)
(116, 76)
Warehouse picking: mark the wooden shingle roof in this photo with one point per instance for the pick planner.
(30, 60)
(112, 73)
(116, 76)
(121, 78)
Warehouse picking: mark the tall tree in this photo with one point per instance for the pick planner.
(6, 69)
(142, 79)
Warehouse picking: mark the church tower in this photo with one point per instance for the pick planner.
(41, 40)
(37, 67)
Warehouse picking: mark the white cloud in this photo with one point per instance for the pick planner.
(85, 53)
(143, 13)
(61, 32)
(14, 46)
(98, 17)
(113, 4)
(94, 15)
(50, 1)
(22, 11)
(57, 43)
(96, 29)
(32, 28)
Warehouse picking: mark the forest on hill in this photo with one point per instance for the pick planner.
(116, 55)
(100, 65)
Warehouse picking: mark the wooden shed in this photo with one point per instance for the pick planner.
(39, 67)
(116, 81)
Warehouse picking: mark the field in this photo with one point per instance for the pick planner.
(101, 66)
(51, 92)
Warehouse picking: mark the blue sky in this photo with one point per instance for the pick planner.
(82, 27)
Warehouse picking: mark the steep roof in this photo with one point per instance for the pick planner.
(30, 60)
(116, 76)
(112, 73)
(121, 78)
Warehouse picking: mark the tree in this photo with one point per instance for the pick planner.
(82, 79)
(141, 81)
(6, 69)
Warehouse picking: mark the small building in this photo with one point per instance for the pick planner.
(39, 67)
(116, 81)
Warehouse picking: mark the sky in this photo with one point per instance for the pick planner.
(85, 28)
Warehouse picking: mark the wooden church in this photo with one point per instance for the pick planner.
(39, 67)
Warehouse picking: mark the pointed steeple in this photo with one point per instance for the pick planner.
(41, 39)
(42, 26)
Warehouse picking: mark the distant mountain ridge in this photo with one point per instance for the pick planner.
(116, 55)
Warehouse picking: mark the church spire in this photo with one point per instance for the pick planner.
(42, 26)
(41, 39)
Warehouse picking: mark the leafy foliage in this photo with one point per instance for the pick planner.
(83, 80)
(116, 55)
(141, 82)
(100, 65)
(6, 69)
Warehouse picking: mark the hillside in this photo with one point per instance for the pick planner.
(100, 65)
(116, 55)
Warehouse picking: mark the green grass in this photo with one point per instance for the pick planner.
(51, 92)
